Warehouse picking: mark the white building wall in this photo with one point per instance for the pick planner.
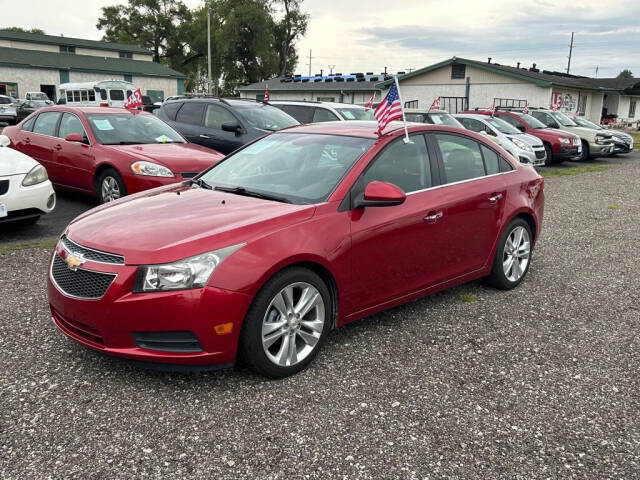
(611, 103)
(91, 77)
(29, 79)
(623, 108)
(30, 46)
(169, 86)
(97, 53)
(571, 97)
(139, 56)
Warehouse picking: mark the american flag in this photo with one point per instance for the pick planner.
(389, 109)
(369, 104)
(492, 110)
(525, 110)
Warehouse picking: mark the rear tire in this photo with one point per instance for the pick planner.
(281, 334)
(549, 152)
(513, 256)
(110, 186)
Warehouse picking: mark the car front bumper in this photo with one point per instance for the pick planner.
(597, 149)
(567, 152)
(25, 202)
(113, 323)
(531, 158)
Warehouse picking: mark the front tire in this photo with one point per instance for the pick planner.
(287, 323)
(549, 160)
(110, 186)
(513, 256)
(585, 155)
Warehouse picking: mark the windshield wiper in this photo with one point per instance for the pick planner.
(201, 183)
(251, 193)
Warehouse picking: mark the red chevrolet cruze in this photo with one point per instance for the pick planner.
(302, 231)
(108, 152)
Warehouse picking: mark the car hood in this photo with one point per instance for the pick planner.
(585, 133)
(13, 162)
(178, 157)
(173, 222)
(528, 139)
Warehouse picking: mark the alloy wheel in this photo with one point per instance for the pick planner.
(110, 189)
(516, 254)
(293, 324)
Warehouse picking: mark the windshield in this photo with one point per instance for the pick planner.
(586, 123)
(356, 113)
(444, 119)
(38, 96)
(502, 126)
(263, 116)
(131, 129)
(563, 119)
(532, 122)
(302, 168)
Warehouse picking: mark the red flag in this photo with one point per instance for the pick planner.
(389, 109)
(492, 110)
(525, 110)
(369, 104)
(266, 95)
(436, 105)
(135, 100)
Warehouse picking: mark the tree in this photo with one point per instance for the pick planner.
(626, 73)
(157, 25)
(25, 30)
(292, 26)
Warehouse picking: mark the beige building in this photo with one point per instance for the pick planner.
(40, 63)
(467, 84)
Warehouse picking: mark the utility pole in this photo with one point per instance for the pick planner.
(331, 67)
(209, 50)
(309, 62)
(570, 52)
(597, 68)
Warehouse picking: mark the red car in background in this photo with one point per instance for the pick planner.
(108, 152)
(304, 230)
(559, 145)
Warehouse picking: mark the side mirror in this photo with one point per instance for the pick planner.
(4, 141)
(483, 132)
(74, 137)
(232, 127)
(521, 128)
(381, 194)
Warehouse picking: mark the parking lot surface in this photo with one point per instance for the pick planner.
(538, 382)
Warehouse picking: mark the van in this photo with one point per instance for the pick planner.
(105, 93)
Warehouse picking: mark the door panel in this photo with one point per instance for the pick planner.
(189, 121)
(218, 139)
(74, 159)
(42, 140)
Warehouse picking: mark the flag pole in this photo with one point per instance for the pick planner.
(406, 131)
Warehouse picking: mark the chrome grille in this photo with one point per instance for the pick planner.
(540, 153)
(91, 254)
(80, 283)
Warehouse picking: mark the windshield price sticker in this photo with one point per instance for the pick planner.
(102, 124)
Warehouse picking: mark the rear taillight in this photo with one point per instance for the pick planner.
(104, 104)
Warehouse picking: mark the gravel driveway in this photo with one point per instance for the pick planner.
(539, 382)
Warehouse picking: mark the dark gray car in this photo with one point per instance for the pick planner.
(222, 124)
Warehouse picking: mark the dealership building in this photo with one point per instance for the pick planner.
(466, 84)
(40, 63)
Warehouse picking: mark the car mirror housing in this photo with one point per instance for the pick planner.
(231, 127)
(521, 128)
(381, 194)
(74, 137)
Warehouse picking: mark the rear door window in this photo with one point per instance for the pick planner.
(472, 124)
(323, 115)
(300, 112)
(216, 116)
(170, 109)
(461, 157)
(46, 123)
(191, 112)
(491, 160)
(70, 124)
(116, 95)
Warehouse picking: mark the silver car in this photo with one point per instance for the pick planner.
(8, 109)
(529, 150)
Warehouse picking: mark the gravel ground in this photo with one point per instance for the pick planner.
(540, 382)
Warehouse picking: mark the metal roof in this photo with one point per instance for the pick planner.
(69, 41)
(275, 85)
(15, 57)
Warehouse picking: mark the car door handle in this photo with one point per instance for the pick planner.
(495, 198)
(206, 137)
(58, 147)
(27, 140)
(433, 217)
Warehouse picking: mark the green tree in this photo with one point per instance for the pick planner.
(626, 73)
(25, 30)
(287, 31)
(157, 25)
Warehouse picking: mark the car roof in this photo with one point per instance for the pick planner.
(94, 110)
(477, 116)
(362, 128)
(312, 103)
(423, 110)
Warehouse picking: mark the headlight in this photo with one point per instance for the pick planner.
(565, 140)
(151, 169)
(191, 272)
(522, 145)
(38, 174)
(601, 140)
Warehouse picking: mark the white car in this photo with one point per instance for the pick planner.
(529, 150)
(313, 112)
(25, 190)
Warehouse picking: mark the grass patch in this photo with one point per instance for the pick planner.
(44, 243)
(560, 172)
(614, 207)
(468, 297)
(636, 140)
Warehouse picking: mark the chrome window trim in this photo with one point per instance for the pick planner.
(53, 280)
(93, 250)
(461, 181)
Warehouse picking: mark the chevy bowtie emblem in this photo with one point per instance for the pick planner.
(74, 260)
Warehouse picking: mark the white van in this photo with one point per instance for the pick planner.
(106, 93)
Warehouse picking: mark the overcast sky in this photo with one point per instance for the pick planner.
(360, 36)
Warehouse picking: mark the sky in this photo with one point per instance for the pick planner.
(368, 35)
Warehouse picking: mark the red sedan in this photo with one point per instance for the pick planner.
(299, 232)
(108, 152)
